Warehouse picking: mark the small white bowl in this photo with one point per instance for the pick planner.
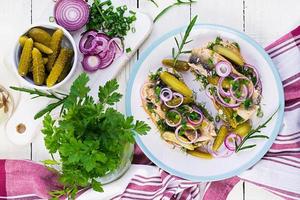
(67, 41)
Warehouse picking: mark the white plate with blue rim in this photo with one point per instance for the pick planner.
(175, 161)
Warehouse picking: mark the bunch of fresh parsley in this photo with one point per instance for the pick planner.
(89, 136)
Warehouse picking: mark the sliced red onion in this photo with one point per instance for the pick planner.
(221, 101)
(222, 152)
(250, 84)
(86, 44)
(117, 42)
(178, 138)
(71, 14)
(143, 95)
(198, 122)
(230, 145)
(223, 68)
(207, 92)
(220, 87)
(108, 57)
(166, 94)
(175, 94)
(171, 124)
(255, 73)
(91, 63)
(245, 94)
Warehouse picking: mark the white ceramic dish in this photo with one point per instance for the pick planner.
(67, 41)
(177, 162)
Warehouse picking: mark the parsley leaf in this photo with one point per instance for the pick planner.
(107, 94)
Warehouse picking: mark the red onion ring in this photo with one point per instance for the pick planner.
(255, 73)
(250, 84)
(223, 68)
(167, 97)
(171, 124)
(178, 138)
(86, 44)
(220, 87)
(175, 94)
(71, 14)
(231, 145)
(207, 92)
(221, 101)
(223, 152)
(195, 123)
(245, 94)
(91, 63)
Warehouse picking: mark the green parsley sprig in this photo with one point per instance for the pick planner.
(166, 9)
(115, 22)
(90, 136)
(252, 135)
(184, 40)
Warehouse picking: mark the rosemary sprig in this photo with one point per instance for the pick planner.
(37, 93)
(184, 41)
(40, 93)
(252, 135)
(166, 9)
(154, 2)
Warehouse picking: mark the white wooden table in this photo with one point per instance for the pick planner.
(263, 20)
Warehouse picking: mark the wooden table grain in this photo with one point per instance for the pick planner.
(263, 20)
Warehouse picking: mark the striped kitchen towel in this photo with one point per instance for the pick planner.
(277, 172)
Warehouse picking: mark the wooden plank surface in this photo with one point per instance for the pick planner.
(263, 20)
(15, 16)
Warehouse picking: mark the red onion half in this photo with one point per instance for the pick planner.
(71, 14)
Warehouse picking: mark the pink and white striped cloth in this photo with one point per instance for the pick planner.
(278, 171)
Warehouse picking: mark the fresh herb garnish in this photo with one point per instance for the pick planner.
(90, 136)
(173, 116)
(247, 103)
(217, 41)
(184, 40)
(194, 116)
(154, 2)
(260, 112)
(128, 50)
(157, 91)
(252, 135)
(154, 76)
(115, 22)
(177, 3)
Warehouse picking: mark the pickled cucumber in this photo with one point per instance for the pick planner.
(45, 60)
(66, 69)
(26, 58)
(243, 129)
(38, 68)
(55, 45)
(220, 138)
(200, 154)
(60, 64)
(179, 65)
(176, 84)
(42, 48)
(40, 35)
(22, 40)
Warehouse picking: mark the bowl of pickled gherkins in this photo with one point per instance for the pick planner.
(45, 56)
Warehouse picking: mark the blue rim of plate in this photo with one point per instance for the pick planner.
(268, 144)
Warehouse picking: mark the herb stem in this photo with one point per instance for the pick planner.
(251, 135)
(166, 9)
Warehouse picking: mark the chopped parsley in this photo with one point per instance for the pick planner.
(194, 116)
(247, 103)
